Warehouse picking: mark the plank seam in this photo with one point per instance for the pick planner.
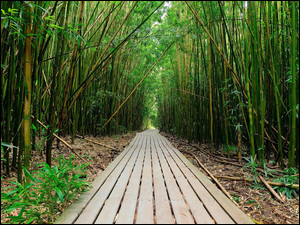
(163, 176)
(245, 219)
(188, 207)
(199, 197)
(140, 183)
(130, 151)
(135, 163)
(61, 219)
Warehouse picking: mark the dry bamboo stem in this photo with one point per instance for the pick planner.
(236, 164)
(98, 143)
(270, 189)
(250, 180)
(48, 88)
(217, 182)
(195, 95)
(65, 143)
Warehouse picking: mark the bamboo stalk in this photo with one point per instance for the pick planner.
(270, 189)
(98, 143)
(215, 180)
(293, 91)
(251, 180)
(213, 41)
(71, 67)
(66, 144)
(27, 100)
(210, 91)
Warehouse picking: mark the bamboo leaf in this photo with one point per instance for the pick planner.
(59, 193)
(8, 145)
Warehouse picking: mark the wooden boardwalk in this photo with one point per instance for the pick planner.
(152, 182)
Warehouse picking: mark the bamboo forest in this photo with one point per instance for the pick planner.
(81, 79)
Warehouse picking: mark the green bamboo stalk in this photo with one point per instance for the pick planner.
(293, 88)
(223, 95)
(276, 94)
(250, 109)
(235, 77)
(210, 91)
(71, 67)
(55, 88)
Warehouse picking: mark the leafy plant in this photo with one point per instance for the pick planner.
(229, 148)
(267, 170)
(43, 137)
(253, 172)
(49, 188)
(22, 197)
(41, 143)
(251, 201)
(3, 151)
(288, 179)
(236, 198)
(61, 182)
(258, 186)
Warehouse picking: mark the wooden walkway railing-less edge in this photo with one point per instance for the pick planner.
(152, 182)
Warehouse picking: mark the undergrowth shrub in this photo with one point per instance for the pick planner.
(48, 191)
(289, 178)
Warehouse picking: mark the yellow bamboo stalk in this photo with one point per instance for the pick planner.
(27, 99)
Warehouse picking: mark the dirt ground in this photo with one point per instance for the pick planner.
(258, 204)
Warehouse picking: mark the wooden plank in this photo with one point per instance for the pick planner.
(128, 206)
(111, 206)
(180, 209)
(70, 215)
(145, 204)
(212, 206)
(233, 211)
(162, 206)
(199, 212)
(91, 211)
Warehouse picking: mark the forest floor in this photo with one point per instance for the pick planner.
(255, 200)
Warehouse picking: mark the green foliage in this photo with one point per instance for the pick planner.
(3, 160)
(3, 151)
(254, 173)
(8, 145)
(39, 145)
(289, 178)
(50, 188)
(236, 198)
(229, 148)
(23, 197)
(258, 186)
(253, 166)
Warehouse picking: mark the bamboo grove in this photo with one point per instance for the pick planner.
(69, 66)
(219, 72)
(234, 77)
